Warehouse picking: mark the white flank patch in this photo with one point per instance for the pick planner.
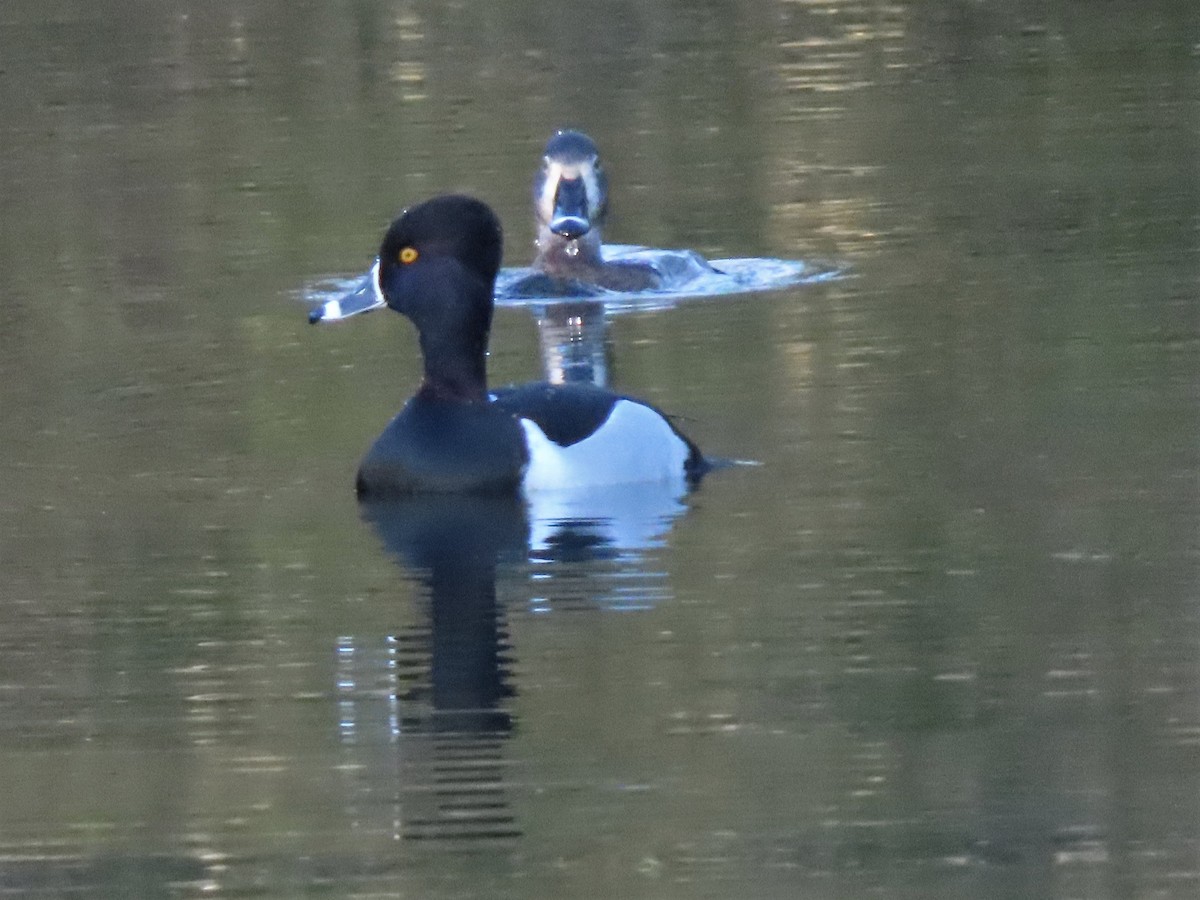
(635, 444)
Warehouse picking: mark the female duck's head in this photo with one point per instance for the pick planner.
(570, 192)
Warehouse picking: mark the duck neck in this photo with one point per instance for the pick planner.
(455, 369)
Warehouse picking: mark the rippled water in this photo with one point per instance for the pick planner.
(726, 277)
(941, 641)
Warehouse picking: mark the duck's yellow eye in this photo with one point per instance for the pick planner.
(408, 255)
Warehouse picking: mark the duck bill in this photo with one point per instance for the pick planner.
(570, 218)
(363, 297)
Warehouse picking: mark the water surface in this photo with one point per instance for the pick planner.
(942, 642)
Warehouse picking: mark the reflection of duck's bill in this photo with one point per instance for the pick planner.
(363, 297)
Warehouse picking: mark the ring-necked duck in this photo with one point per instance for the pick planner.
(437, 265)
(570, 202)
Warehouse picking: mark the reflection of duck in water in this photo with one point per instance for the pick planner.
(574, 341)
(455, 545)
(449, 674)
(437, 265)
(570, 201)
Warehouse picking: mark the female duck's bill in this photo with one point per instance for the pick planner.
(437, 266)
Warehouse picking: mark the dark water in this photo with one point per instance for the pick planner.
(943, 642)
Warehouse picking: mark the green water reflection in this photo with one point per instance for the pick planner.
(942, 642)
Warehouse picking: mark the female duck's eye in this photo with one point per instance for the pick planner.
(408, 255)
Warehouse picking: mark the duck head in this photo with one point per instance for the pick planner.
(438, 261)
(457, 240)
(437, 267)
(570, 194)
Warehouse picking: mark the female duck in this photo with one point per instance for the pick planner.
(438, 266)
(570, 203)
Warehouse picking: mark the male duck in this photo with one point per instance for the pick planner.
(570, 202)
(437, 265)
